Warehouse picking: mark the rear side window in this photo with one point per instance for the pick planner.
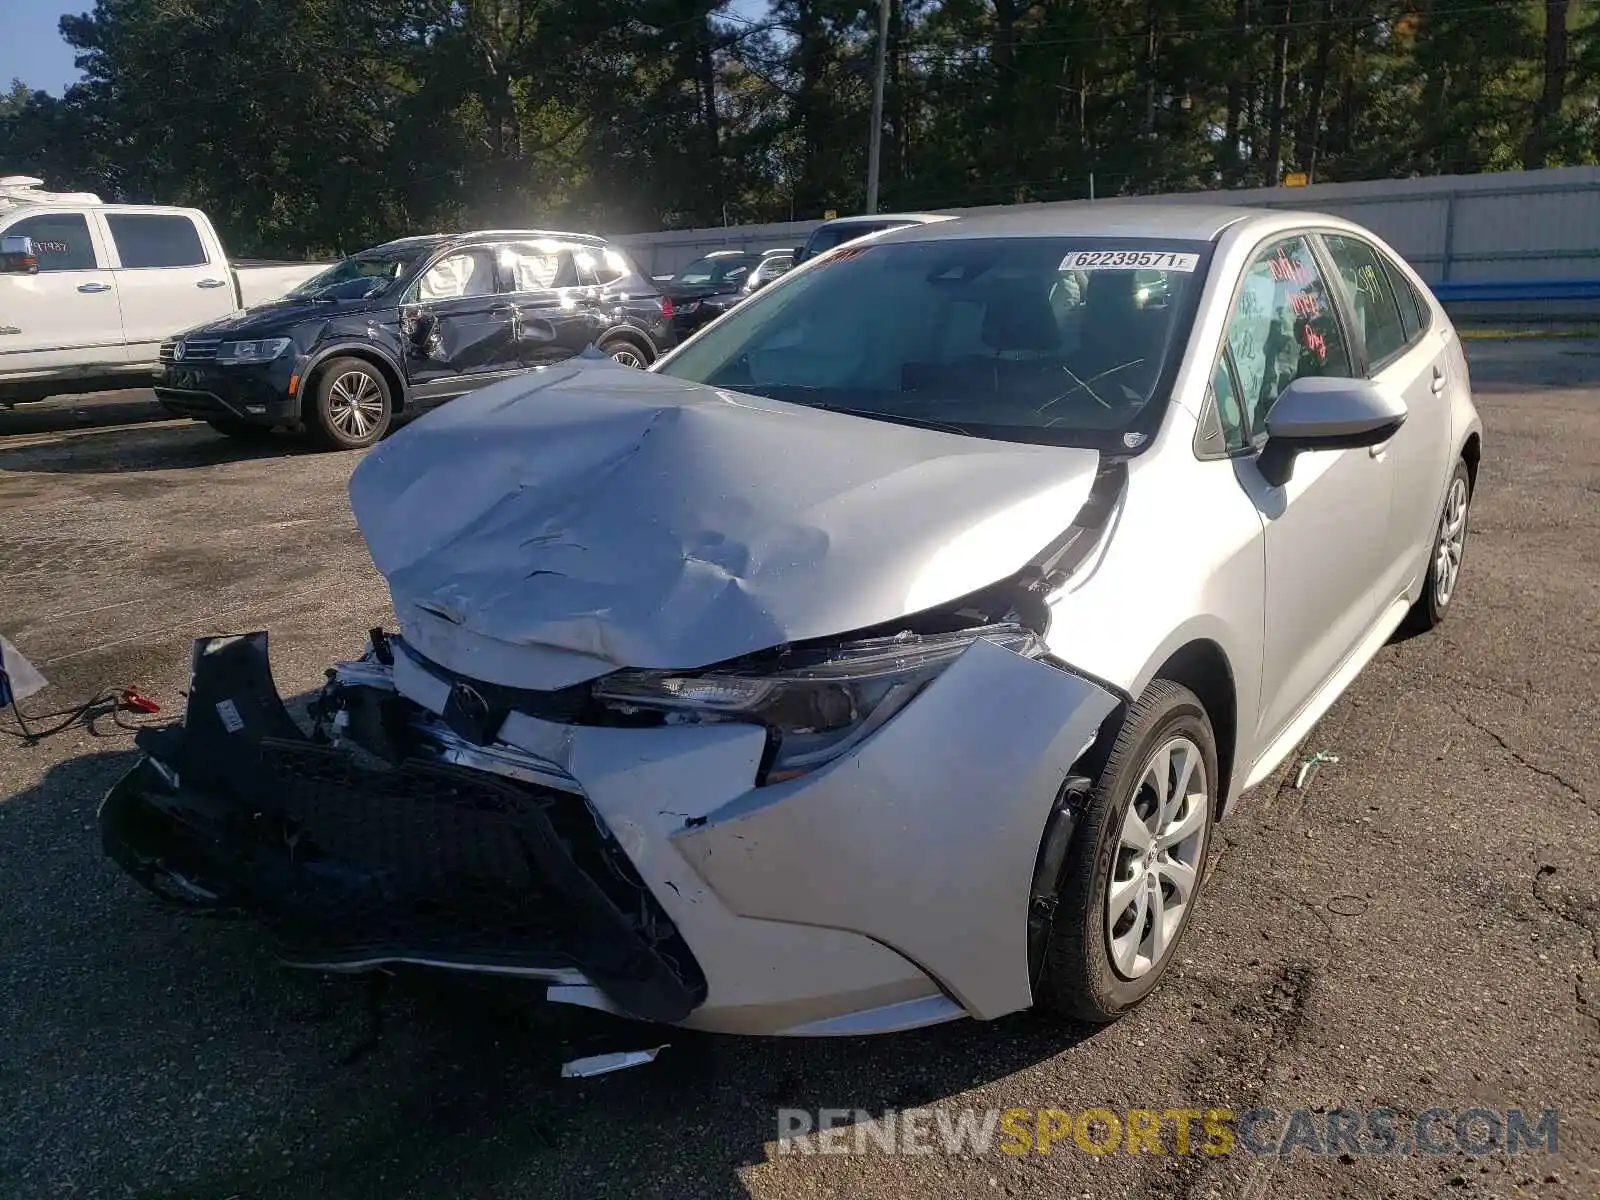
(1413, 312)
(1377, 313)
(147, 240)
(60, 240)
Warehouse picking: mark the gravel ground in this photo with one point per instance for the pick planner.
(1415, 928)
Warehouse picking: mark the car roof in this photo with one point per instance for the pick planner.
(1175, 221)
(478, 236)
(888, 218)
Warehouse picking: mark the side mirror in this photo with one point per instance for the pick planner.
(1320, 413)
(18, 256)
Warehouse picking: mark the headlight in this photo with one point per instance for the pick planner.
(264, 350)
(815, 704)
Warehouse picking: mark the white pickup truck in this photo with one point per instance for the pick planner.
(89, 290)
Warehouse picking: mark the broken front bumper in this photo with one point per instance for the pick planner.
(352, 865)
(636, 869)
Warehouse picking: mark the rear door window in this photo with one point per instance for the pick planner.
(146, 240)
(1377, 313)
(1413, 312)
(60, 240)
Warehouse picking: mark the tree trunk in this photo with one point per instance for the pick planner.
(1150, 68)
(810, 111)
(711, 126)
(1005, 126)
(894, 165)
(1280, 63)
(1311, 124)
(1236, 82)
(1547, 112)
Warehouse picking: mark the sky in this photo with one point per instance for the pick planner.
(32, 49)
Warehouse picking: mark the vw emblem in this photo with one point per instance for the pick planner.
(179, 351)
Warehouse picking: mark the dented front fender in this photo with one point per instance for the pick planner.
(926, 837)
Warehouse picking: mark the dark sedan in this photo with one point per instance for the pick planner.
(707, 288)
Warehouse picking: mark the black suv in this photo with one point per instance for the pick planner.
(402, 326)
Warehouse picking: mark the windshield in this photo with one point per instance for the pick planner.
(720, 268)
(358, 278)
(1055, 340)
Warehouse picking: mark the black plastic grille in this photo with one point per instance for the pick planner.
(423, 861)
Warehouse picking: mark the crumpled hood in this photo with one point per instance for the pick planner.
(554, 527)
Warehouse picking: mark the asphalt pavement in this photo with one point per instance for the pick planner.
(1415, 928)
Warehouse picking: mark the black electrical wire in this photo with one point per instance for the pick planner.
(84, 713)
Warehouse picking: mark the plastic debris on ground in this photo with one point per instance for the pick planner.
(18, 678)
(604, 1064)
(1309, 767)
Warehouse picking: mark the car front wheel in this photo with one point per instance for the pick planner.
(1133, 874)
(350, 405)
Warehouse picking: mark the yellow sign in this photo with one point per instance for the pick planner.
(830, 214)
(1296, 179)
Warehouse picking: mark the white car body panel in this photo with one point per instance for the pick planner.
(79, 327)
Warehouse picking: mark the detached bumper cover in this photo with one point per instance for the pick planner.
(351, 864)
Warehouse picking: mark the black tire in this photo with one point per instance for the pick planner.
(628, 351)
(1435, 600)
(1079, 979)
(242, 430)
(345, 413)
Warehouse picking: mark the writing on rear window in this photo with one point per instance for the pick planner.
(52, 247)
(1129, 260)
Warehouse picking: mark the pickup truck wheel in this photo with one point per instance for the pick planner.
(350, 405)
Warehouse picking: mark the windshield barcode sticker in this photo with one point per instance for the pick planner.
(1129, 260)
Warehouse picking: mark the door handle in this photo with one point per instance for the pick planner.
(212, 283)
(1439, 382)
(91, 288)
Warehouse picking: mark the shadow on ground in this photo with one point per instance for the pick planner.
(66, 414)
(390, 1085)
(131, 448)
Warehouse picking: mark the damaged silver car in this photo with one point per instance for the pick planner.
(884, 655)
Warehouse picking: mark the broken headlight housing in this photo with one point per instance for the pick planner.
(815, 702)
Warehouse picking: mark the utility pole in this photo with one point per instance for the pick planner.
(875, 146)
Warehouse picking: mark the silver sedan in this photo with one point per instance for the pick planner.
(886, 654)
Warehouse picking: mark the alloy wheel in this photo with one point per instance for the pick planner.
(1452, 542)
(355, 404)
(1159, 858)
(627, 356)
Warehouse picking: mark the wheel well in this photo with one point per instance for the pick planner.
(1203, 668)
(397, 389)
(1471, 453)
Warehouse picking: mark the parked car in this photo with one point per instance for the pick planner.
(773, 264)
(847, 229)
(708, 287)
(88, 290)
(408, 324)
(884, 655)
